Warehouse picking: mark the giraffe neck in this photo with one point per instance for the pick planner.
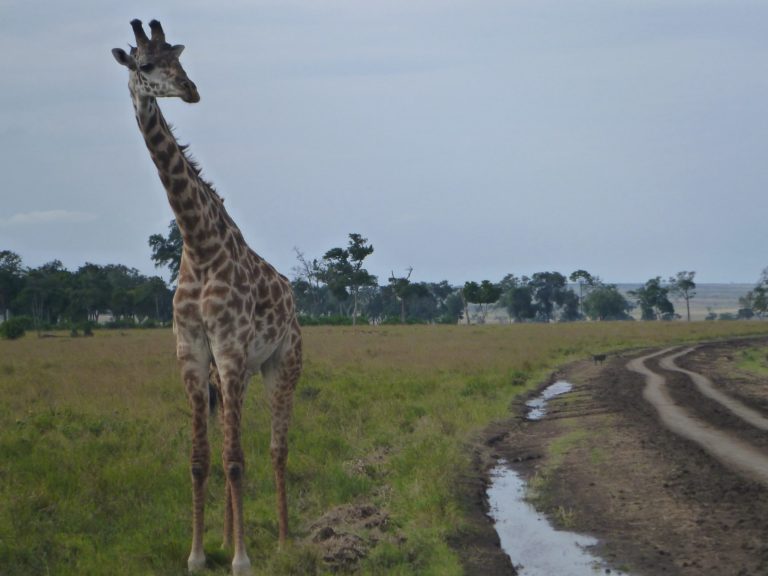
(203, 222)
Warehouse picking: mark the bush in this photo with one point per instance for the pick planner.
(14, 328)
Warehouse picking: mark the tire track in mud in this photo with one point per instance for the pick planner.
(707, 388)
(734, 453)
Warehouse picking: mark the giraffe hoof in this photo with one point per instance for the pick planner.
(196, 563)
(242, 568)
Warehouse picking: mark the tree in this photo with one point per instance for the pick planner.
(605, 302)
(123, 283)
(760, 301)
(344, 272)
(683, 285)
(469, 294)
(484, 294)
(46, 293)
(152, 299)
(549, 290)
(653, 300)
(570, 307)
(517, 297)
(406, 290)
(489, 294)
(309, 289)
(91, 292)
(757, 298)
(166, 251)
(11, 279)
(582, 278)
(448, 302)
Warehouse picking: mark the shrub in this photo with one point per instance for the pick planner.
(13, 328)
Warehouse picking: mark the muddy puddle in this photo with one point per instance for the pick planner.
(535, 547)
(537, 407)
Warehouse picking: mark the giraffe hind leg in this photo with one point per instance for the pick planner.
(279, 453)
(280, 378)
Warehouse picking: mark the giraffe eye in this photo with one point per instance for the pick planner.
(147, 67)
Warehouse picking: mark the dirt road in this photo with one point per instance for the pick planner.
(662, 456)
(738, 455)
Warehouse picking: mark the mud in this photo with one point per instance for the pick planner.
(657, 502)
(346, 534)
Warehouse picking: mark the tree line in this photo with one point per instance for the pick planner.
(336, 288)
(52, 296)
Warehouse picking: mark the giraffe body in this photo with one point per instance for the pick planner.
(234, 314)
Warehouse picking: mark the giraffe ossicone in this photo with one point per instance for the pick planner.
(234, 314)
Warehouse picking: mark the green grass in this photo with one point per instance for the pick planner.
(94, 442)
(754, 361)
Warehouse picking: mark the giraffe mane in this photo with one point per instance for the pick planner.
(184, 148)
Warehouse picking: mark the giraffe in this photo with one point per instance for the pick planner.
(233, 313)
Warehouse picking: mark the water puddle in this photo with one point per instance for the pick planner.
(534, 546)
(538, 405)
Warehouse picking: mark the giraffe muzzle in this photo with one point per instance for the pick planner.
(191, 95)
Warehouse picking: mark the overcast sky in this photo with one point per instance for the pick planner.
(467, 140)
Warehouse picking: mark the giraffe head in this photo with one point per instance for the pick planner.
(154, 65)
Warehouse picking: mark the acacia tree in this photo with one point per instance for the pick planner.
(484, 294)
(166, 251)
(469, 294)
(344, 272)
(582, 278)
(605, 302)
(683, 285)
(653, 300)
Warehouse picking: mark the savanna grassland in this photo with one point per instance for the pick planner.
(94, 442)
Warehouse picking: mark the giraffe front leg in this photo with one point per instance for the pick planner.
(234, 469)
(199, 467)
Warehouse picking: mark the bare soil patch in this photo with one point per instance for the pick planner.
(346, 534)
(604, 465)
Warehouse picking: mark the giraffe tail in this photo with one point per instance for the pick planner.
(214, 390)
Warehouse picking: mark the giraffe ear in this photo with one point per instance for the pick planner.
(177, 49)
(124, 58)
